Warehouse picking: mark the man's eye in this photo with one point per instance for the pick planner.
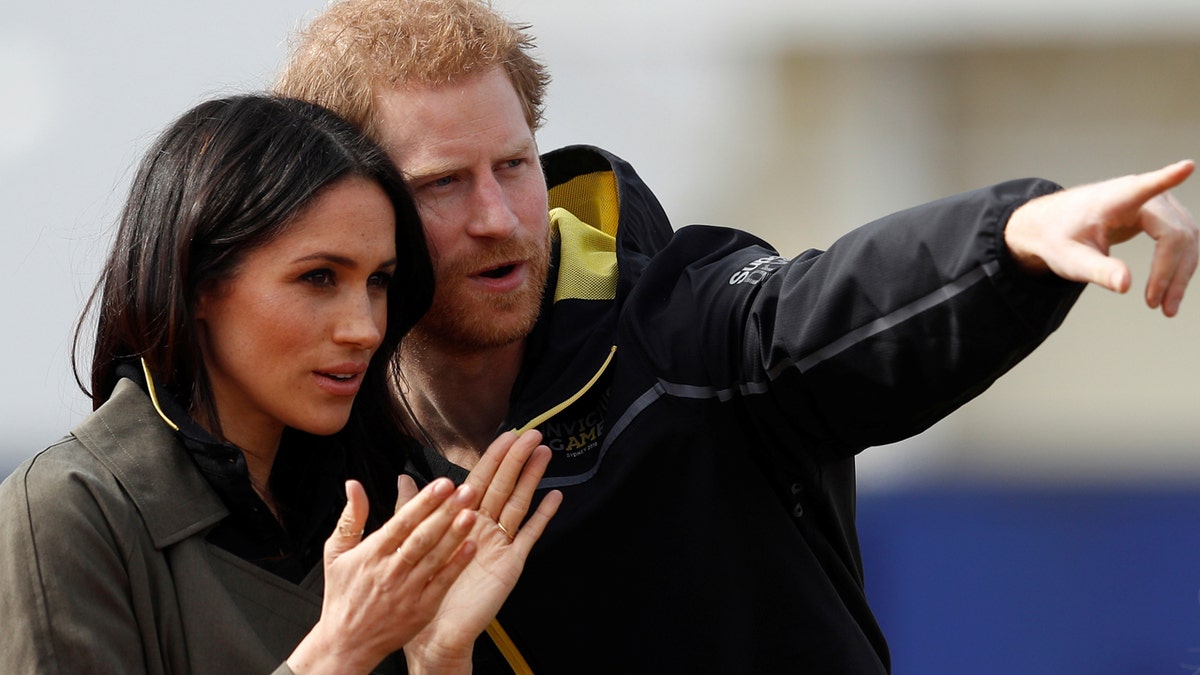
(441, 182)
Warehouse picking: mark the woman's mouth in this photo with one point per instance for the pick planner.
(339, 383)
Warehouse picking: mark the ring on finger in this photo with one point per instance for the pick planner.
(343, 530)
(505, 530)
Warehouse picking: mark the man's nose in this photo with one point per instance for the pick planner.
(493, 217)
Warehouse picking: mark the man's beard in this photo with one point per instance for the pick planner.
(468, 320)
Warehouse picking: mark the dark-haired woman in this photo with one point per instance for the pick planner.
(268, 261)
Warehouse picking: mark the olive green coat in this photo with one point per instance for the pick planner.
(104, 567)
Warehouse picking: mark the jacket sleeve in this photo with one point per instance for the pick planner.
(63, 584)
(893, 327)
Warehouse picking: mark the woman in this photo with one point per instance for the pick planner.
(267, 263)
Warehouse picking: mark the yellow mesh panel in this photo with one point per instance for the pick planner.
(589, 259)
(592, 197)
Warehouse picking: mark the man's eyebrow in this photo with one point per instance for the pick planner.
(522, 147)
(429, 170)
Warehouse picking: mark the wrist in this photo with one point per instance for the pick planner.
(430, 659)
(1018, 240)
(319, 653)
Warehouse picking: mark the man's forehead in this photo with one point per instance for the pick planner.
(431, 129)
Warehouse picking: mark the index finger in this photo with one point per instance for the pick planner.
(1153, 183)
(485, 469)
(508, 476)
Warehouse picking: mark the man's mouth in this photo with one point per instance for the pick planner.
(498, 272)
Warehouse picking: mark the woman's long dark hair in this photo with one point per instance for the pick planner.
(226, 177)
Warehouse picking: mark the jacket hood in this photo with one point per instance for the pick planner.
(605, 192)
(607, 225)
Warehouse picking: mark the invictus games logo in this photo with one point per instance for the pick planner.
(757, 270)
(578, 434)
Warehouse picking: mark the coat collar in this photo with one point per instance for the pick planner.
(128, 435)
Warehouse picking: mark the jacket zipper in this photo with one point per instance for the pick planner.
(574, 397)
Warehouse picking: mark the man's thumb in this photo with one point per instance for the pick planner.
(1113, 275)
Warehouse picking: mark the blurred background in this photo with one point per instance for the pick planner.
(1050, 526)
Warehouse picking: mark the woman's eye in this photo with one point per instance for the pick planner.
(380, 279)
(321, 277)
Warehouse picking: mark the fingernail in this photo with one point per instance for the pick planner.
(442, 487)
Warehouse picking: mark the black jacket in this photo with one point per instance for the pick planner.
(705, 399)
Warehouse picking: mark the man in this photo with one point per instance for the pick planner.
(704, 397)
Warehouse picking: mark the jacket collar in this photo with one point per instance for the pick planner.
(132, 439)
(606, 225)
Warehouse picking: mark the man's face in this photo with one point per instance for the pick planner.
(472, 163)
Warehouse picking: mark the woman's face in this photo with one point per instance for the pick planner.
(286, 340)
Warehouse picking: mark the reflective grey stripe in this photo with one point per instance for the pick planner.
(695, 391)
(834, 348)
(886, 322)
(631, 412)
